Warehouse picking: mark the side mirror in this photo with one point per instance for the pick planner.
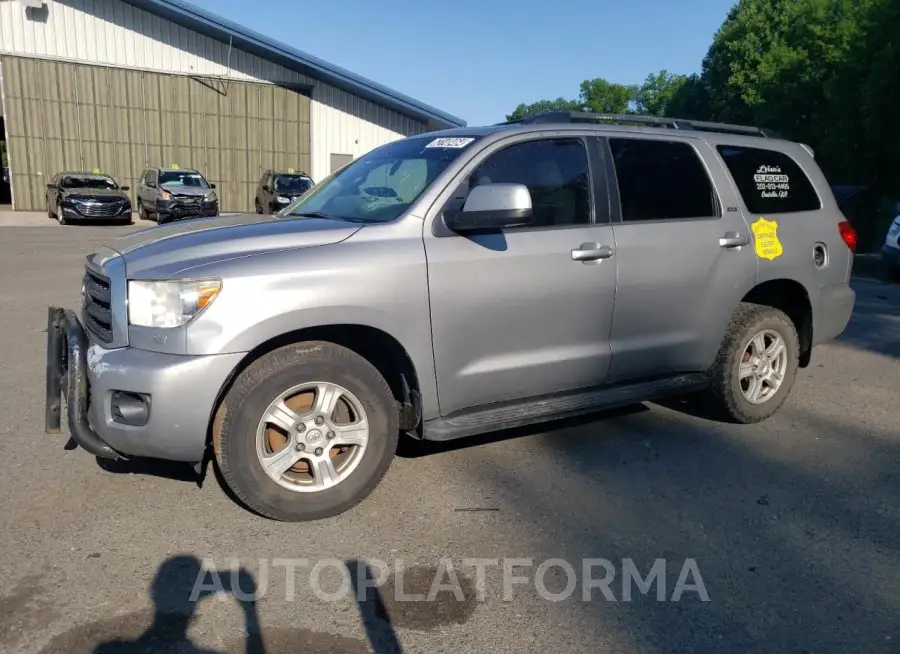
(212, 186)
(266, 188)
(51, 186)
(493, 207)
(124, 188)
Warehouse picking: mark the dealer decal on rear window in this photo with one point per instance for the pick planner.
(765, 239)
(771, 182)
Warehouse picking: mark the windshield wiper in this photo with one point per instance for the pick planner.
(315, 214)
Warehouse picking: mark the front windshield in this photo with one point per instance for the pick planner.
(88, 181)
(292, 183)
(180, 178)
(381, 185)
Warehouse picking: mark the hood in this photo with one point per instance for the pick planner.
(192, 191)
(94, 192)
(167, 250)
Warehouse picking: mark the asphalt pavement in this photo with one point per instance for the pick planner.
(778, 537)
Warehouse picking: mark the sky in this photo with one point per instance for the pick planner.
(478, 59)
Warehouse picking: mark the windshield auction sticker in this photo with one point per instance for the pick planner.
(765, 239)
(450, 142)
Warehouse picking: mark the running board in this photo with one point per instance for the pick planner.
(545, 408)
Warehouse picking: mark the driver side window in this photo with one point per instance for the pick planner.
(556, 173)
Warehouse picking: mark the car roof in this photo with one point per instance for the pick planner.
(80, 173)
(561, 122)
(176, 170)
(280, 171)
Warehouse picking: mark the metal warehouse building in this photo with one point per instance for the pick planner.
(120, 85)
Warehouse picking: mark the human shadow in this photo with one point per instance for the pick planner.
(175, 602)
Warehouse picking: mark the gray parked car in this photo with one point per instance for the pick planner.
(451, 284)
(167, 194)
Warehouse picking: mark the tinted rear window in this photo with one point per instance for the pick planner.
(770, 182)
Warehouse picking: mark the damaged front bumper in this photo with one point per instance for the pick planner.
(128, 402)
(67, 375)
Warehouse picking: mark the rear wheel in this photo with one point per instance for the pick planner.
(259, 208)
(306, 432)
(755, 369)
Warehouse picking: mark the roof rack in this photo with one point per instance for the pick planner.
(655, 121)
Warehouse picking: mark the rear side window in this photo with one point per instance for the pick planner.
(661, 180)
(770, 182)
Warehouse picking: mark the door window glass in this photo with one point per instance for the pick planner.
(554, 170)
(661, 180)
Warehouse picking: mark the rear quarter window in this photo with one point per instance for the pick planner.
(769, 181)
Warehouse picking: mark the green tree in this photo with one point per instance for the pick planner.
(658, 92)
(543, 106)
(602, 96)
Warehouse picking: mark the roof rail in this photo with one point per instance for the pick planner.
(655, 121)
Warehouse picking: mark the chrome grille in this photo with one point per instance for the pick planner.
(99, 208)
(96, 312)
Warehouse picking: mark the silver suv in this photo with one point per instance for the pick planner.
(451, 284)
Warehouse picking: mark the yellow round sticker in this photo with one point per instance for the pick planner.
(765, 238)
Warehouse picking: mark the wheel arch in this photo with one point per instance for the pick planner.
(381, 349)
(791, 297)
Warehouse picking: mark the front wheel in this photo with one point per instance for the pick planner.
(306, 432)
(756, 365)
(60, 216)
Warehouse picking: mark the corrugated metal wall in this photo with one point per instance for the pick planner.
(65, 116)
(114, 33)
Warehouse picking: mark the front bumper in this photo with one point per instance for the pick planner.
(71, 212)
(180, 393)
(177, 209)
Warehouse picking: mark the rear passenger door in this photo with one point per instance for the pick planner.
(684, 255)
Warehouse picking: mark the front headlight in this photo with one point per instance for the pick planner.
(210, 197)
(283, 200)
(169, 304)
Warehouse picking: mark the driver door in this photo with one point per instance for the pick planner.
(526, 312)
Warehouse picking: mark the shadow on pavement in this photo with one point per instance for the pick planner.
(875, 325)
(797, 549)
(181, 583)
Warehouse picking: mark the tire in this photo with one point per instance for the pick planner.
(259, 208)
(237, 432)
(49, 211)
(60, 216)
(725, 396)
(142, 212)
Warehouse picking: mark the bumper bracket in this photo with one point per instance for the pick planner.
(67, 345)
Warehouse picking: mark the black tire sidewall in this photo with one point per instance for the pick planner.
(777, 322)
(238, 443)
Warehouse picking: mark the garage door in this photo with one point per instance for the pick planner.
(64, 116)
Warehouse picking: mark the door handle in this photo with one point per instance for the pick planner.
(733, 240)
(591, 252)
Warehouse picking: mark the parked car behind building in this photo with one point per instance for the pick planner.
(277, 189)
(75, 196)
(167, 194)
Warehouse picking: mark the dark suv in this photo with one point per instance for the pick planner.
(174, 193)
(277, 189)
